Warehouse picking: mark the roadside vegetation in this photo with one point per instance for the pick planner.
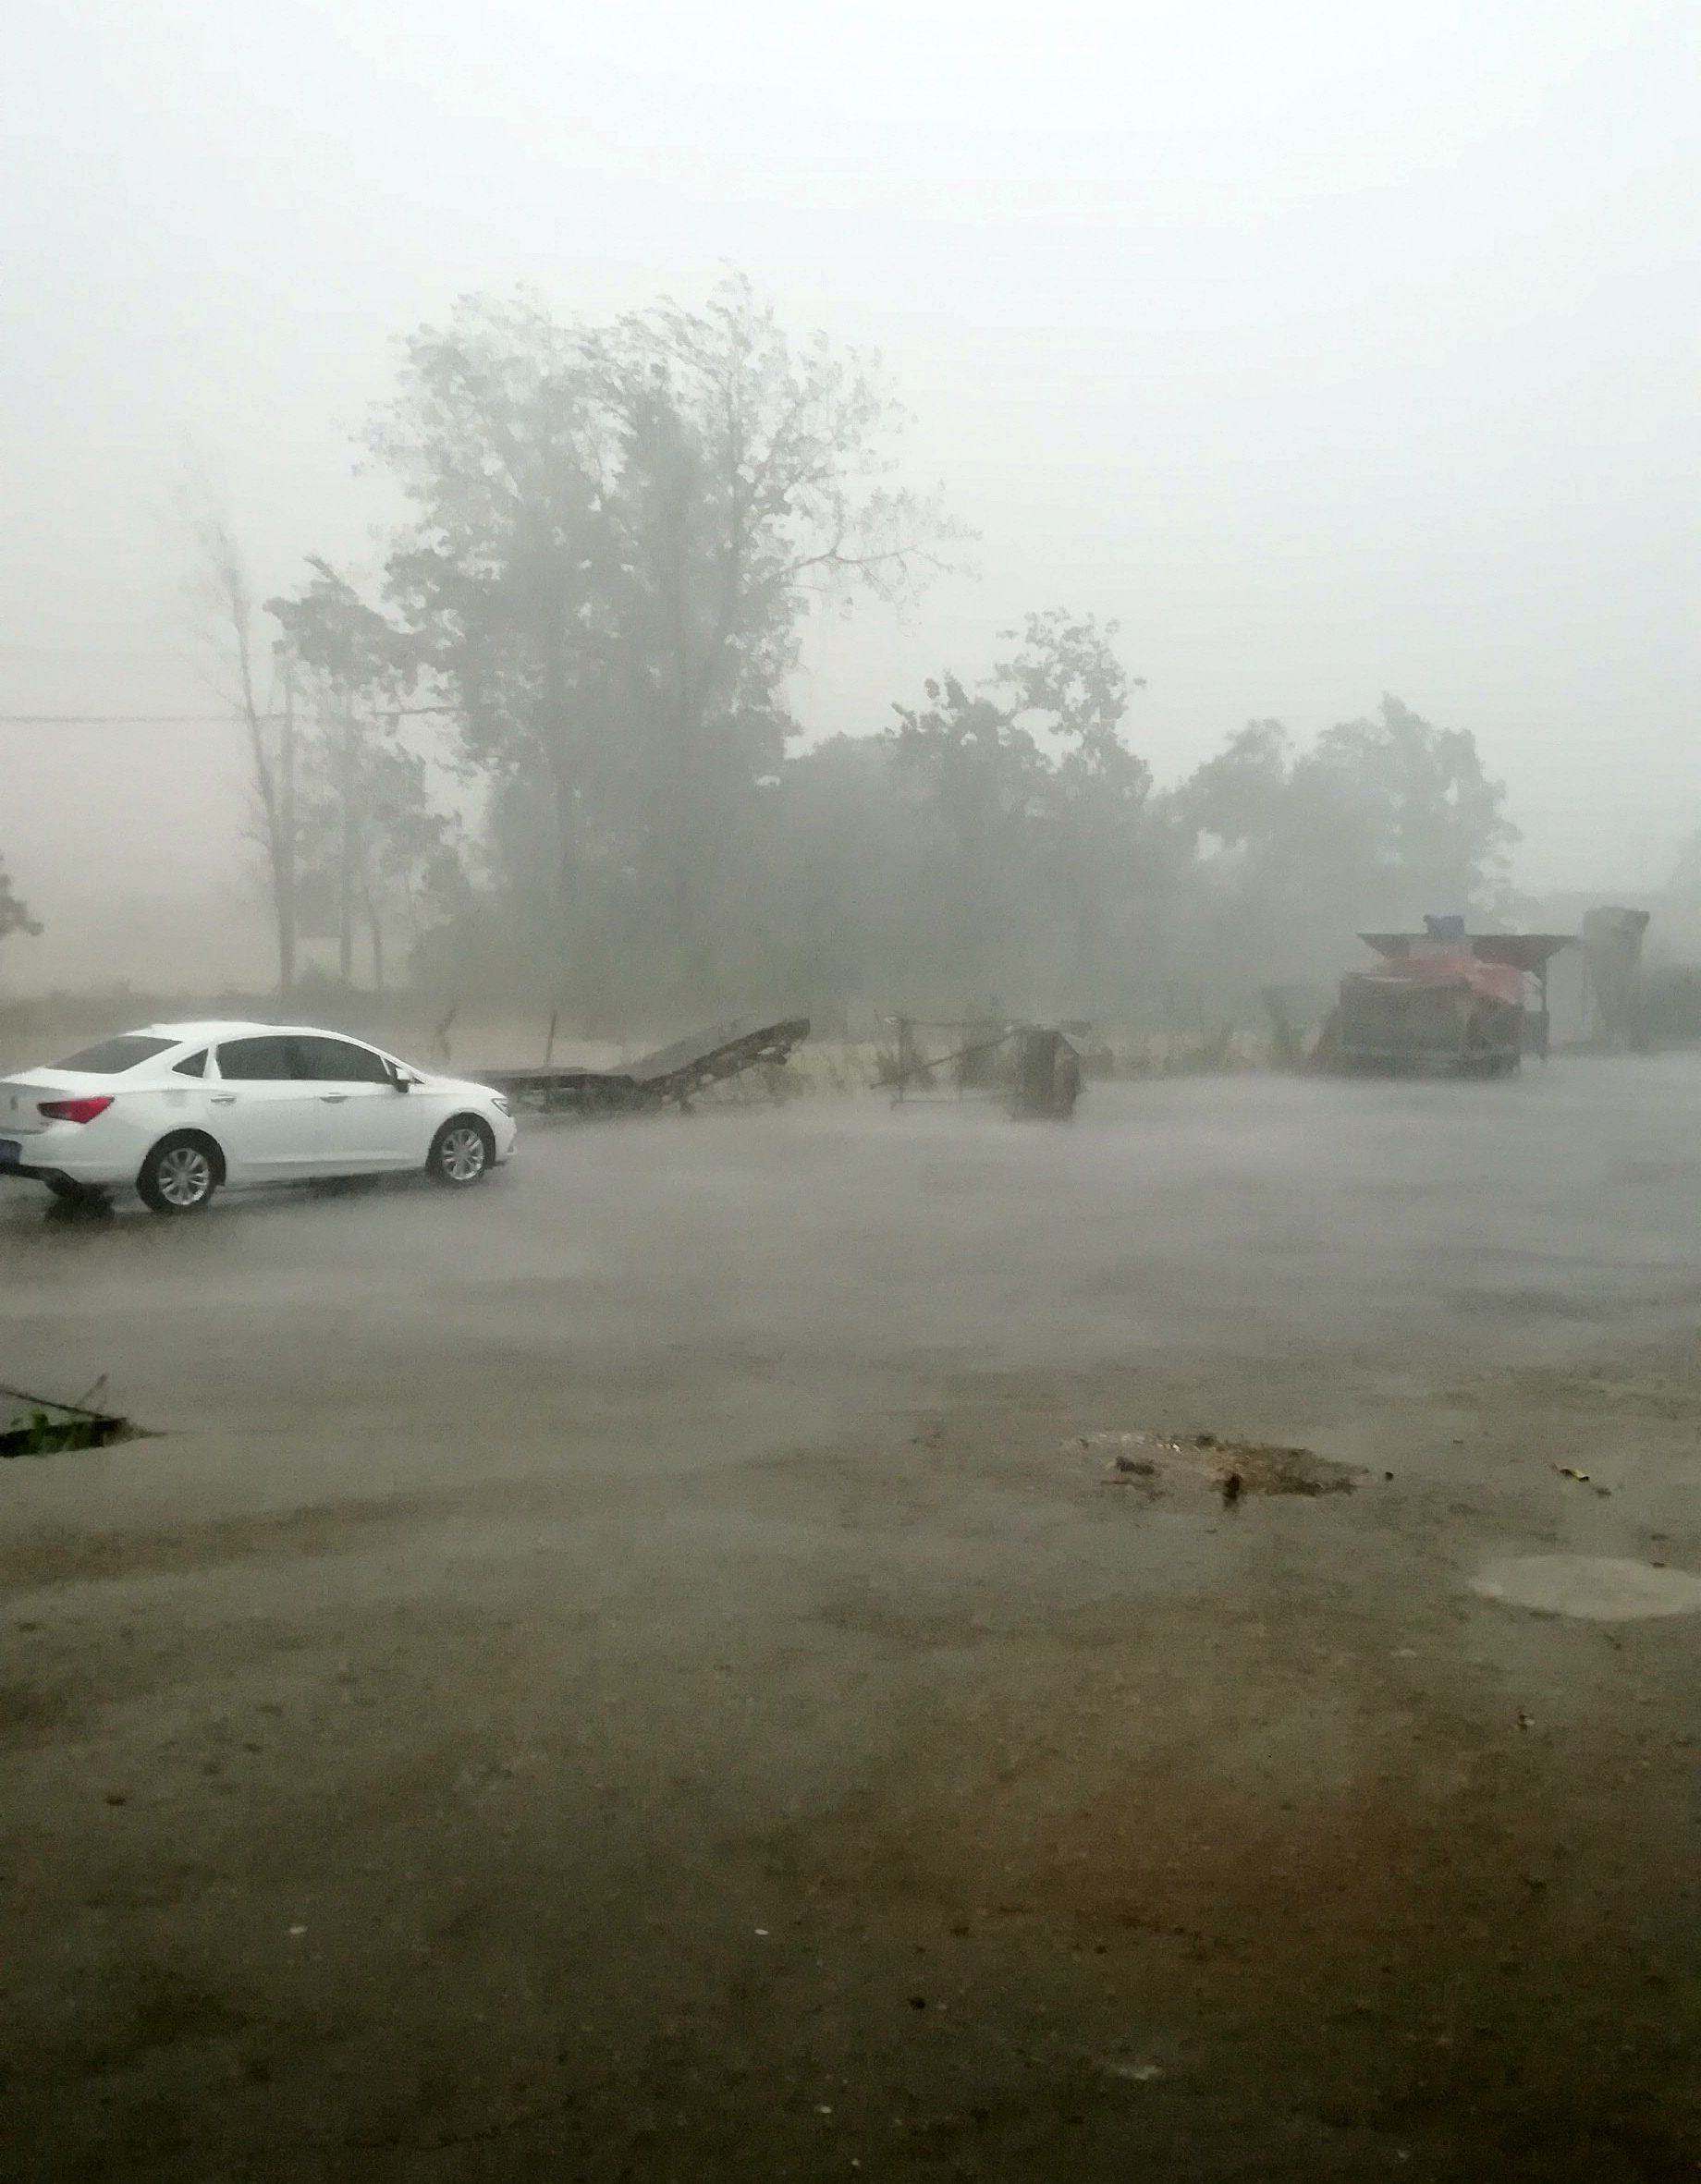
(548, 755)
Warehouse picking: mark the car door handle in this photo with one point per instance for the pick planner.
(333, 1099)
(223, 1099)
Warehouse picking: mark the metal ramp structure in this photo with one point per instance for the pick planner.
(672, 1076)
(37, 1426)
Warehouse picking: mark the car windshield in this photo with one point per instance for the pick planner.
(112, 1057)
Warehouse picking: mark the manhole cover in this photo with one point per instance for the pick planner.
(1606, 1588)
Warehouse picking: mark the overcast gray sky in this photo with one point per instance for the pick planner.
(1333, 346)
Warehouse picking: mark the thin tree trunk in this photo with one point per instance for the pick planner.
(229, 585)
(374, 927)
(566, 873)
(279, 844)
(562, 757)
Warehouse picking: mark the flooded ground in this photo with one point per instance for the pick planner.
(656, 1670)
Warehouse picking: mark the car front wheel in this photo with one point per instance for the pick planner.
(178, 1177)
(461, 1153)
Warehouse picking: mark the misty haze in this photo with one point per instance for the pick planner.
(850, 989)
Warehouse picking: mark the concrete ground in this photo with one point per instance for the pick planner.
(651, 1670)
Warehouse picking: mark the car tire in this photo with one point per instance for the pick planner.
(462, 1153)
(180, 1176)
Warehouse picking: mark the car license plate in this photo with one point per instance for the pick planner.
(11, 1153)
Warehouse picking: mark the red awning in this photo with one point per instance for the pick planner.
(1453, 966)
(1524, 951)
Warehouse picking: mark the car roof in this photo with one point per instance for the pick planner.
(212, 1032)
(184, 1032)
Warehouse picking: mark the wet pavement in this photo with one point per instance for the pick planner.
(651, 1669)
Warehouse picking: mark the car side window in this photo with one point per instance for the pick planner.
(193, 1065)
(256, 1061)
(339, 1061)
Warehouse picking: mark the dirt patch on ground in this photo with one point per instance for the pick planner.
(1229, 1467)
(1146, 1836)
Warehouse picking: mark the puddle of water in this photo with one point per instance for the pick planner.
(1605, 1588)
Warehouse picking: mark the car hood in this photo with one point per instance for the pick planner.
(463, 1088)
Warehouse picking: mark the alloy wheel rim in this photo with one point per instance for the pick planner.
(463, 1155)
(184, 1176)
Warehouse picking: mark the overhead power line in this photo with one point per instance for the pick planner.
(117, 720)
(168, 720)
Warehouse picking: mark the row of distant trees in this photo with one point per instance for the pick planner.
(549, 751)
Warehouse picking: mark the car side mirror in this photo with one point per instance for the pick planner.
(401, 1080)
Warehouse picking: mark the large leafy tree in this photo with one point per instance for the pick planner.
(1382, 820)
(1034, 812)
(1282, 864)
(504, 577)
(1101, 867)
(617, 536)
(1435, 819)
(981, 784)
(845, 853)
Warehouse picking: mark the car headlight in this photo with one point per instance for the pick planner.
(500, 1104)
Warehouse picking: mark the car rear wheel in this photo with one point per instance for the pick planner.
(461, 1153)
(180, 1176)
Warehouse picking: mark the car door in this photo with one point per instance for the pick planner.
(264, 1114)
(363, 1116)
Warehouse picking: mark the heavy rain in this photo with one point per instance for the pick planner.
(850, 987)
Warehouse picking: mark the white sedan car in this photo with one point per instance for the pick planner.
(177, 1110)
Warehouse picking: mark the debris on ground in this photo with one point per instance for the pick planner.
(1230, 1468)
(672, 1076)
(31, 1425)
(1571, 1472)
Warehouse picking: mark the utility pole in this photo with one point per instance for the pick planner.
(344, 891)
(286, 874)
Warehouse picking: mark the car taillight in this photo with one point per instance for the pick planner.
(74, 1110)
